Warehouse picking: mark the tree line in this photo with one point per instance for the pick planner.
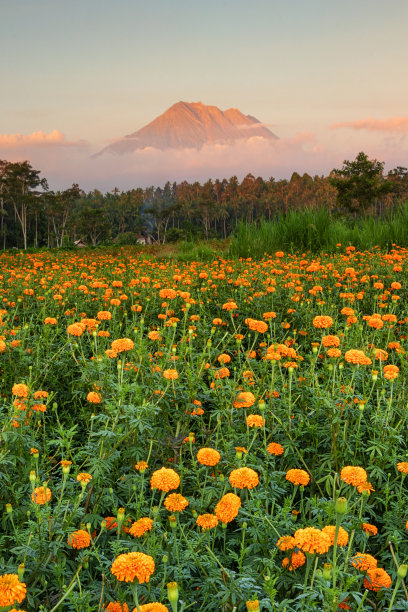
(32, 215)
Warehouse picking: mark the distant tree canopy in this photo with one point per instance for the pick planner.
(33, 215)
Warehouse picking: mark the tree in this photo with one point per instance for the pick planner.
(359, 183)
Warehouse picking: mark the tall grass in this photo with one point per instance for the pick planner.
(318, 230)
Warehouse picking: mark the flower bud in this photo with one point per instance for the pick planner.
(103, 525)
(165, 559)
(20, 571)
(402, 571)
(173, 521)
(341, 505)
(172, 594)
(327, 571)
(32, 476)
(9, 508)
(253, 606)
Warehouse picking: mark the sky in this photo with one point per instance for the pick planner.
(328, 77)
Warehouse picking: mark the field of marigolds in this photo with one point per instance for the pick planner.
(200, 436)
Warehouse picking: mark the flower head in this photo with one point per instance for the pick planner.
(298, 477)
(275, 449)
(141, 526)
(244, 478)
(79, 539)
(122, 345)
(353, 475)
(228, 507)
(376, 579)
(11, 590)
(312, 540)
(175, 502)
(41, 495)
(165, 479)
(129, 566)
(207, 521)
(245, 399)
(208, 456)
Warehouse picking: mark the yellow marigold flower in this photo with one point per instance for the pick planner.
(312, 540)
(363, 561)
(244, 400)
(11, 590)
(84, 477)
(298, 477)
(79, 539)
(342, 536)
(228, 507)
(376, 579)
(296, 559)
(170, 374)
(165, 479)
(244, 478)
(286, 542)
(133, 565)
(275, 449)
(20, 390)
(41, 495)
(141, 526)
(252, 606)
(207, 521)
(353, 475)
(122, 345)
(255, 420)
(175, 502)
(208, 456)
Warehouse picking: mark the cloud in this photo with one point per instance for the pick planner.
(38, 139)
(392, 124)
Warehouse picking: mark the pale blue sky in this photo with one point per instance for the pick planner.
(99, 69)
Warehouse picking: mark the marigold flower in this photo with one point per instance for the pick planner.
(363, 561)
(112, 523)
(175, 502)
(40, 394)
(170, 374)
(133, 565)
(244, 400)
(141, 526)
(365, 487)
(223, 358)
(369, 529)
(165, 479)
(357, 357)
(11, 590)
(328, 341)
(403, 467)
(312, 540)
(84, 477)
(207, 521)
(228, 507)
(322, 322)
(94, 398)
(334, 353)
(76, 329)
(298, 477)
(275, 449)
(168, 294)
(353, 475)
(376, 579)
(20, 390)
(252, 606)
(255, 420)
(141, 466)
(104, 315)
(50, 321)
(153, 335)
(222, 373)
(79, 539)
(65, 463)
(152, 607)
(116, 606)
(391, 372)
(208, 456)
(244, 478)
(229, 306)
(296, 559)
(342, 536)
(122, 345)
(260, 326)
(286, 542)
(41, 495)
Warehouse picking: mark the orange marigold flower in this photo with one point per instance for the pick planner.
(286, 542)
(328, 341)
(168, 294)
(244, 400)
(275, 449)
(40, 394)
(20, 390)
(153, 335)
(363, 561)
(79, 539)
(141, 466)
(208, 456)
(259, 326)
(50, 321)
(76, 329)
(170, 374)
(122, 345)
(312, 540)
(116, 606)
(369, 529)
(207, 521)
(342, 536)
(391, 372)
(41, 495)
(222, 373)
(175, 502)
(403, 467)
(365, 487)
(298, 477)
(244, 478)
(104, 315)
(84, 477)
(152, 607)
(165, 479)
(229, 306)
(334, 352)
(269, 315)
(94, 398)
(255, 420)
(141, 526)
(133, 565)
(380, 354)
(353, 475)
(376, 579)
(296, 559)
(223, 358)
(322, 322)
(253, 605)
(11, 590)
(228, 507)
(357, 357)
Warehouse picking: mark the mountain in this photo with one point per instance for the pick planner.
(187, 125)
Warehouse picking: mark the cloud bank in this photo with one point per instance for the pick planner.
(392, 124)
(38, 139)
